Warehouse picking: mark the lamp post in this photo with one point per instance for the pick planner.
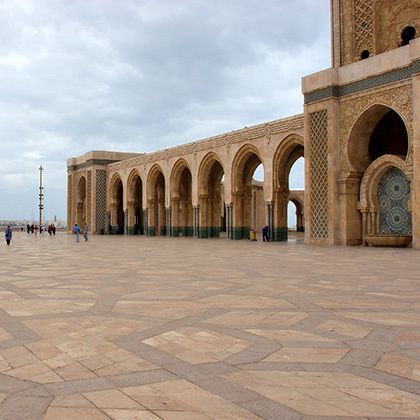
(41, 195)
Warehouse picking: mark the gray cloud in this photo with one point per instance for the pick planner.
(141, 75)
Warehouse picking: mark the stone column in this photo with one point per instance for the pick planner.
(351, 218)
(196, 218)
(175, 217)
(270, 219)
(168, 222)
(114, 218)
(151, 216)
(108, 227)
(204, 216)
(145, 222)
(125, 222)
(229, 221)
(280, 230)
(79, 213)
(237, 216)
(130, 218)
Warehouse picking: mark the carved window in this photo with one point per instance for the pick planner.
(363, 27)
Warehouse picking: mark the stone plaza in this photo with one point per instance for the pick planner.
(130, 327)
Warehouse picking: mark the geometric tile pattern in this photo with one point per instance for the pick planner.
(319, 173)
(361, 85)
(100, 200)
(393, 197)
(123, 328)
(88, 196)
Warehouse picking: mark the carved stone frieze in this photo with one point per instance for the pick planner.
(227, 139)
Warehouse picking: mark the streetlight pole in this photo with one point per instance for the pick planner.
(41, 195)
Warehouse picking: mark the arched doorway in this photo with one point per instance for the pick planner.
(156, 198)
(135, 205)
(117, 209)
(181, 200)
(377, 155)
(212, 220)
(289, 173)
(295, 212)
(245, 214)
(81, 202)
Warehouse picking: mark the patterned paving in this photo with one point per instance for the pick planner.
(153, 328)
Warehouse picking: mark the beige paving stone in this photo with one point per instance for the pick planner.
(96, 362)
(74, 400)
(22, 308)
(286, 336)
(36, 372)
(151, 320)
(111, 398)
(59, 361)
(65, 413)
(2, 397)
(241, 301)
(181, 395)
(394, 399)
(260, 319)
(344, 328)
(131, 414)
(18, 356)
(397, 319)
(307, 355)
(197, 346)
(400, 365)
(4, 335)
(111, 370)
(75, 371)
(182, 415)
(44, 349)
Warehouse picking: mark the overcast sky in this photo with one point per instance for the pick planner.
(141, 75)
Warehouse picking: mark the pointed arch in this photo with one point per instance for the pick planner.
(135, 220)
(245, 214)
(181, 199)
(116, 195)
(156, 195)
(212, 217)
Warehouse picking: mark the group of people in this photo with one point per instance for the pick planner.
(77, 231)
(253, 234)
(35, 228)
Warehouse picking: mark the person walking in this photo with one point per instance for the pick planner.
(85, 232)
(8, 235)
(265, 234)
(76, 231)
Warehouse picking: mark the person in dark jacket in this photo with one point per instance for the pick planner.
(265, 234)
(8, 235)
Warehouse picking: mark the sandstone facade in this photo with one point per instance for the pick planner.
(359, 133)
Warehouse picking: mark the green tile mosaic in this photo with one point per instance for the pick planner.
(280, 233)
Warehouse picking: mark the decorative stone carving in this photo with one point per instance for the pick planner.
(363, 27)
(238, 136)
(319, 173)
(399, 99)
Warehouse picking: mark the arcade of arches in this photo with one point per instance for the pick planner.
(359, 135)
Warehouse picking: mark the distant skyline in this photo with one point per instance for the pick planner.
(139, 76)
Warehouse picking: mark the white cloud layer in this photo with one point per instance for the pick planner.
(139, 75)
